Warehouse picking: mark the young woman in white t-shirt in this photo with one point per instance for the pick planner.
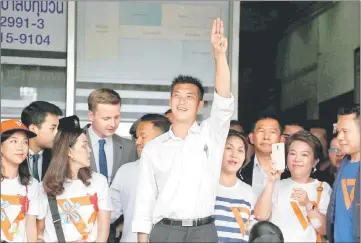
(19, 191)
(297, 205)
(81, 195)
(235, 199)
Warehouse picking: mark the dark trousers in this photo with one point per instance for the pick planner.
(112, 230)
(167, 233)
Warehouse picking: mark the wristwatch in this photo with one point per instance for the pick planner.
(311, 209)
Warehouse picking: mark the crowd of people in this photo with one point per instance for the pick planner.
(178, 180)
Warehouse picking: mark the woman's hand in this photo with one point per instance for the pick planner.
(274, 175)
(301, 197)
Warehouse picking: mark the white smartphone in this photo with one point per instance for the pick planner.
(278, 156)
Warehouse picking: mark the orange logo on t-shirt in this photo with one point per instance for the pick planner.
(11, 228)
(348, 197)
(243, 226)
(70, 213)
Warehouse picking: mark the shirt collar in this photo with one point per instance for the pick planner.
(256, 161)
(31, 153)
(195, 128)
(95, 138)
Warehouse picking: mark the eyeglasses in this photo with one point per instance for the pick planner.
(334, 150)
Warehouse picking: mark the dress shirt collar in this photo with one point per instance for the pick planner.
(195, 128)
(256, 162)
(95, 138)
(31, 153)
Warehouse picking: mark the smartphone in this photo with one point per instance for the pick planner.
(279, 156)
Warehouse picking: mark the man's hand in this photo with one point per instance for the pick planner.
(219, 41)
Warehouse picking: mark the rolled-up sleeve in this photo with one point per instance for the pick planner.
(146, 195)
(220, 118)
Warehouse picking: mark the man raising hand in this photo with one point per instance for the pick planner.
(180, 170)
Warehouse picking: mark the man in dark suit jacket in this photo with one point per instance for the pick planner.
(124, 151)
(42, 118)
(265, 132)
(109, 151)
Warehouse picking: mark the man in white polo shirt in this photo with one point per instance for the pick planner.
(180, 170)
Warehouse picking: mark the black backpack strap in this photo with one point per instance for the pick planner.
(56, 218)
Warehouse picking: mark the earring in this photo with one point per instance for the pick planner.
(314, 169)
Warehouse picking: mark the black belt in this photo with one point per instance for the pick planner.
(188, 222)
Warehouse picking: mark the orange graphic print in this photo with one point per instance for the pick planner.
(348, 197)
(11, 228)
(70, 214)
(243, 226)
(301, 218)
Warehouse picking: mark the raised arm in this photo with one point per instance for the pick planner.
(223, 103)
(220, 44)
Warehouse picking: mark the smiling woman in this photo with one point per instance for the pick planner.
(298, 204)
(69, 186)
(18, 188)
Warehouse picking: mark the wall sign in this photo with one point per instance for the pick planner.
(33, 25)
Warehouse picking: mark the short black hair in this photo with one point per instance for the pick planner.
(349, 110)
(293, 122)
(168, 111)
(265, 231)
(267, 115)
(133, 129)
(36, 112)
(183, 79)
(158, 120)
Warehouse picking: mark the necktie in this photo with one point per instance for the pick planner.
(102, 159)
(35, 166)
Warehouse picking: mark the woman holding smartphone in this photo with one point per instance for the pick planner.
(297, 205)
(75, 205)
(19, 191)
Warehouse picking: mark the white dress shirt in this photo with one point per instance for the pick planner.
(40, 163)
(108, 148)
(259, 178)
(122, 194)
(178, 178)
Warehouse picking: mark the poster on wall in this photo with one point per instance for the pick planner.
(33, 25)
(357, 76)
(162, 39)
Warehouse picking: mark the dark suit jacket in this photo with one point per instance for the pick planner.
(124, 151)
(246, 174)
(46, 158)
(46, 162)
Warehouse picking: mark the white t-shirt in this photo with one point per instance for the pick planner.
(78, 206)
(13, 205)
(285, 218)
(233, 205)
(122, 193)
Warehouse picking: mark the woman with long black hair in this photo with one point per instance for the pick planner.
(19, 191)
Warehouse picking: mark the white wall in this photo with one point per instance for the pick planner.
(315, 62)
